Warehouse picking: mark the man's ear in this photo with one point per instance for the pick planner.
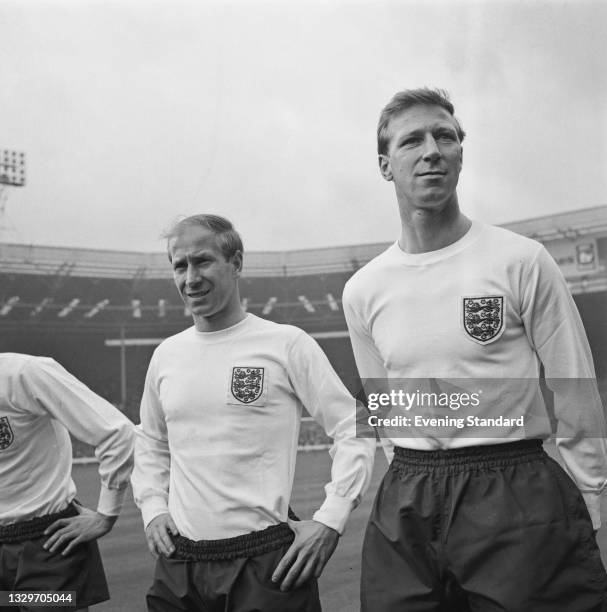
(384, 166)
(237, 263)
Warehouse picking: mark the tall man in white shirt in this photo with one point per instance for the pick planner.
(216, 448)
(47, 539)
(472, 510)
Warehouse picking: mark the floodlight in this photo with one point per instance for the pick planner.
(12, 168)
(43, 304)
(333, 305)
(8, 306)
(136, 308)
(93, 311)
(67, 309)
(306, 303)
(267, 309)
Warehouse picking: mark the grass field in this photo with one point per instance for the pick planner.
(129, 565)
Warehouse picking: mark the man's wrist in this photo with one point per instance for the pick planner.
(328, 527)
(109, 518)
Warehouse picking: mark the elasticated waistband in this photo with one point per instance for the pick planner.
(248, 545)
(33, 528)
(469, 457)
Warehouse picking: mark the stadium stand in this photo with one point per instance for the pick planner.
(101, 313)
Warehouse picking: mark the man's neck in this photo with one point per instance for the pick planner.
(222, 321)
(425, 230)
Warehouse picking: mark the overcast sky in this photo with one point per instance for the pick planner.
(133, 112)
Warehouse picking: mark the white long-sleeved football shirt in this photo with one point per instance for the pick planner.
(220, 418)
(425, 320)
(40, 402)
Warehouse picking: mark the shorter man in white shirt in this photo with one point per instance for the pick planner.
(47, 539)
(215, 455)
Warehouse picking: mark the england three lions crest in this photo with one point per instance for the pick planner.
(6, 433)
(484, 318)
(247, 384)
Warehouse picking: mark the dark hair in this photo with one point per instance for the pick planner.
(404, 100)
(228, 239)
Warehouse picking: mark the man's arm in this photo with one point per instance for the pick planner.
(555, 329)
(323, 394)
(150, 479)
(50, 389)
(369, 362)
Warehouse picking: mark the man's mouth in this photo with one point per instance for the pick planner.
(198, 294)
(432, 173)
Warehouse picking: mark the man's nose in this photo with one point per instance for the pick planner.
(192, 276)
(431, 151)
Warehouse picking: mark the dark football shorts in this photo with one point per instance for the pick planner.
(498, 528)
(232, 574)
(26, 566)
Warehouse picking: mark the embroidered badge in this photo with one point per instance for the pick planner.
(6, 433)
(484, 318)
(247, 384)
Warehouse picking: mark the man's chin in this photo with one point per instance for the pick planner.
(200, 310)
(434, 199)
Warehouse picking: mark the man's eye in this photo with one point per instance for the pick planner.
(447, 136)
(411, 142)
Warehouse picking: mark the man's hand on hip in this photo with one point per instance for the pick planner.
(74, 530)
(158, 534)
(306, 558)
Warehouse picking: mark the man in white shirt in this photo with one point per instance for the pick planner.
(458, 316)
(47, 539)
(216, 448)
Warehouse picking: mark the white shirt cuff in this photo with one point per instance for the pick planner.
(593, 503)
(152, 507)
(334, 512)
(110, 501)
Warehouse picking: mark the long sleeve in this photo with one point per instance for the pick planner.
(368, 360)
(49, 388)
(150, 479)
(555, 329)
(369, 363)
(323, 394)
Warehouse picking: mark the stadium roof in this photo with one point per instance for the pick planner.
(572, 225)
(97, 263)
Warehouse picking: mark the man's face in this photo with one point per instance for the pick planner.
(206, 281)
(424, 157)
